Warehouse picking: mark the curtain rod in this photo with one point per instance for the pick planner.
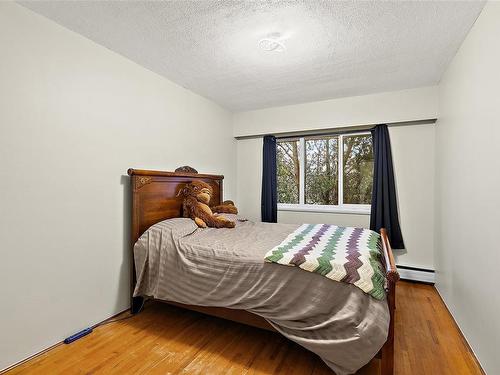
(336, 131)
(320, 134)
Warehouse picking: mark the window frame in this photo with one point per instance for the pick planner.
(359, 209)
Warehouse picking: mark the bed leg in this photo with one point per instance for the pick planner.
(387, 362)
(392, 277)
(387, 365)
(137, 305)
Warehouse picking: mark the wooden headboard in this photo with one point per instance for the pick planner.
(154, 196)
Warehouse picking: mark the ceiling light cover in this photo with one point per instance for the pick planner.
(272, 43)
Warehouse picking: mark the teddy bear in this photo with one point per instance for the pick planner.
(195, 205)
(226, 207)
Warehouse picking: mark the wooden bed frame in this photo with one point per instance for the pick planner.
(154, 199)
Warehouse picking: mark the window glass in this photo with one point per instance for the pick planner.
(357, 169)
(321, 170)
(323, 165)
(288, 170)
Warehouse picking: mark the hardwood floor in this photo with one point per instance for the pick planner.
(167, 340)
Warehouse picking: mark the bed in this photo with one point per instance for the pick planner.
(335, 320)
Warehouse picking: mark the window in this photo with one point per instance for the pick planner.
(325, 173)
(287, 157)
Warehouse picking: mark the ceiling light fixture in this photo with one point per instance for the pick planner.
(272, 43)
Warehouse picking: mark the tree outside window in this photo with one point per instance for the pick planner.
(337, 170)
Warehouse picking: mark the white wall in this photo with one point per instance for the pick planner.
(412, 145)
(467, 188)
(73, 117)
(388, 107)
(413, 158)
(413, 154)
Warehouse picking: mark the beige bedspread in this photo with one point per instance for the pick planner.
(176, 261)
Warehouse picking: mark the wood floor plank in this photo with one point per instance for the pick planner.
(168, 340)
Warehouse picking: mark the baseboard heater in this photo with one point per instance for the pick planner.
(422, 275)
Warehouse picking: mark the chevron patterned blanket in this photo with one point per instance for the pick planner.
(350, 255)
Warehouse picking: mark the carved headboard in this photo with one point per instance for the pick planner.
(154, 196)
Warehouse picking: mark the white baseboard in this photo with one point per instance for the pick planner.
(415, 274)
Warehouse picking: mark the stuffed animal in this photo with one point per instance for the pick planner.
(195, 205)
(186, 168)
(226, 207)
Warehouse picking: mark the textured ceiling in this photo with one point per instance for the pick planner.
(332, 49)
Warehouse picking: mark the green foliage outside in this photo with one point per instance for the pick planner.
(358, 169)
(321, 170)
(287, 157)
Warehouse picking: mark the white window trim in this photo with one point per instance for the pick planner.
(302, 171)
(356, 209)
(341, 208)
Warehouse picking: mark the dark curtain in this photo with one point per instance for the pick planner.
(384, 211)
(269, 197)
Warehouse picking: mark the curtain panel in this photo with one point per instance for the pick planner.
(269, 197)
(384, 208)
